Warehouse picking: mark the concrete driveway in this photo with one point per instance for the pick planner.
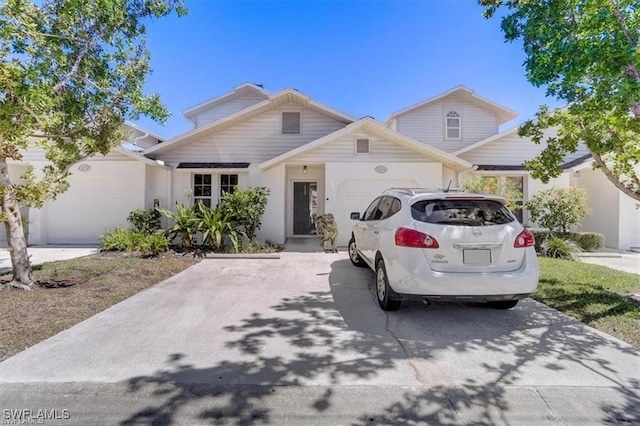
(300, 340)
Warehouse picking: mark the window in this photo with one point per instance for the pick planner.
(228, 183)
(290, 123)
(371, 210)
(461, 212)
(362, 146)
(202, 189)
(453, 125)
(387, 208)
(518, 182)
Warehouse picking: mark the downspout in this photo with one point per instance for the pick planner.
(135, 141)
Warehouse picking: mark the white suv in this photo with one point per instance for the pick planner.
(446, 246)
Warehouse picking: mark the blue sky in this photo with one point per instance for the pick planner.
(361, 57)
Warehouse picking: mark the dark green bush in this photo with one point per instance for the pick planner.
(327, 229)
(541, 235)
(145, 221)
(245, 207)
(560, 248)
(588, 241)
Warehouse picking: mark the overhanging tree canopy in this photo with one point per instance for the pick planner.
(586, 52)
(71, 72)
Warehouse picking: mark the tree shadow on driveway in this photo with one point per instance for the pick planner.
(332, 353)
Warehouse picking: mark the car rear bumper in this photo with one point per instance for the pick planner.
(413, 276)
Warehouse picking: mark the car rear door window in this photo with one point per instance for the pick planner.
(372, 210)
(461, 212)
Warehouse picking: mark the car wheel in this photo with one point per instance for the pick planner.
(383, 291)
(354, 256)
(503, 304)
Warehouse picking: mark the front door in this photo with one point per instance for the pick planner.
(305, 202)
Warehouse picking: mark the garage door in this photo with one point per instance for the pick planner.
(356, 195)
(95, 202)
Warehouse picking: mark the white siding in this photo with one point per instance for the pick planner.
(426, 124)
(512, 150)
(97, 200)
(35, 153)
(255, 140)
(227, 108)
(343, 149)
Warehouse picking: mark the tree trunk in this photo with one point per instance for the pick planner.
(15, 233)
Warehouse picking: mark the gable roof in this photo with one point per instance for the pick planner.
(463, 93)
(375, 127)
(490, 139)
(274, 100)
(238, 90)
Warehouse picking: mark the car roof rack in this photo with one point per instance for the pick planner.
(415, 191)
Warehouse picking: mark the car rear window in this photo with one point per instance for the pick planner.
(461, 212)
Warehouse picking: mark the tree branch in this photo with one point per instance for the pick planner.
(623, 24)
(597, 158)
(74, 68)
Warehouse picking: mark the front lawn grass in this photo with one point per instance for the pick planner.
(71, 291)
(596, 295)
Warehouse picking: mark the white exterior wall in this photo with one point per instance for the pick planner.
(512, 150)
(98, 200)
(427, 124)
(343, 149)
(227, 108)
(273, 221)
(614, 214)
(353, 186)
(629, 230)
(255, 140)
(157, 187)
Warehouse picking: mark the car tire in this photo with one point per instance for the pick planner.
(383, 290)
(503, 304)
(354, 257)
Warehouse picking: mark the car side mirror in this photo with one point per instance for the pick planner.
(355, 216)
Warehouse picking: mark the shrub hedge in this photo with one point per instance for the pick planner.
(587, 241)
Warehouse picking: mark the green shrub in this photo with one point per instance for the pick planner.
(145, 221)
(541, 235)
(153, 244)
(588, 241)
(559, 248)
(120, 239)
(185, 223)
(216, 228)
(327, 229)
(559, 209)
(245, 207)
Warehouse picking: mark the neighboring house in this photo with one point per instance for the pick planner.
(313, 158)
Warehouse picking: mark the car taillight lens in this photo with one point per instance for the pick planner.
(524, 239)
(406, 237)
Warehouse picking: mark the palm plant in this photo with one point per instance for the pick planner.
(185, 223)
(215, 227)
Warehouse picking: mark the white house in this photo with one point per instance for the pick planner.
(314, 159)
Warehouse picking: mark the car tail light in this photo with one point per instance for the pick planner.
(406, 237)
(524, 239)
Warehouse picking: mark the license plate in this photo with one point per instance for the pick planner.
(476, 257)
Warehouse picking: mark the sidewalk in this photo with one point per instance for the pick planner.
(619, 260)
(43, 254)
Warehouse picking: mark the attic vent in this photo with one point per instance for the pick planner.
(290, 123)
(362, 146)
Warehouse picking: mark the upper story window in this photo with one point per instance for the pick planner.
(453, 125)
(202, 189)
(291, 123)
(362, 146)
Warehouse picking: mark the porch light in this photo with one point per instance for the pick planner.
(305, 170)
